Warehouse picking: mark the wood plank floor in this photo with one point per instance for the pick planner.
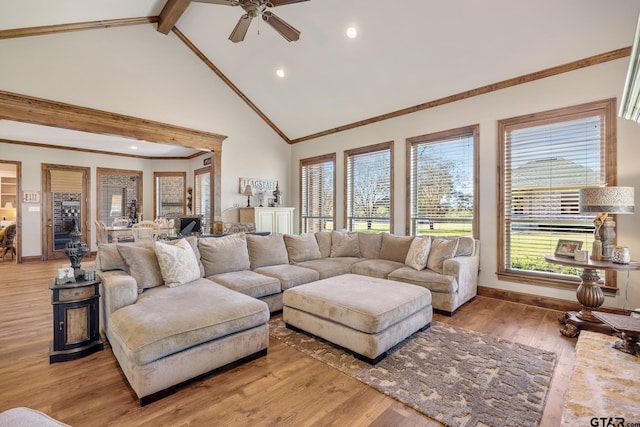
(283, 388)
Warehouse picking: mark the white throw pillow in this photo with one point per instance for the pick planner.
(418, 253)
(178, 263)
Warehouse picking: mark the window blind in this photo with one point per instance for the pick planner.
(546, 162)
(369, 189)
(442, 184)
(317, 193)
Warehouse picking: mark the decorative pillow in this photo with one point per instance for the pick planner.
(301, 247)
(267, 250)
(370, 244)
(143, 264)
(324, 243)
(466, 246)
(193, 241)
(109, 258)
(395, 248)
(441, 250)
(224, 254)
(344, 244)
(418, 253)
(178, 263)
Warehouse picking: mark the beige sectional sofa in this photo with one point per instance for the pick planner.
(175, 310)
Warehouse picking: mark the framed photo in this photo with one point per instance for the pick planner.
(567, 248)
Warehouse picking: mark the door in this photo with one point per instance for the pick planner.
(65, 206)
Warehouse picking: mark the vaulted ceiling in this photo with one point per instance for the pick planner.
(407, 53)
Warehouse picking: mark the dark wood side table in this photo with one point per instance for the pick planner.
(589, 294)
(76, 320)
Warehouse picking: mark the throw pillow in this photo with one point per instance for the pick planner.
(441, 250)
(466, 245)
(178, 263)
(418, 253)
(395, 248)
(370, 244)
(109, 258)
(267, 250)
(224, 254)
(302, 247)
(344, 244)
(143, 264)
(324, 243)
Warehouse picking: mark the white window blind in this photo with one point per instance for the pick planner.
(369, 183)
(317, 198)
(442, 183)
(546, 162)
(202, 194)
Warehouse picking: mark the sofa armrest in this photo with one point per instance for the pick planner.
(465, 269)
(119, 289)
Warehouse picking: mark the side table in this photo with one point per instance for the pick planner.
(76, 320)
(589, 294)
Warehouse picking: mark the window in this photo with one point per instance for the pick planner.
(203, 193)
(117, 190)
(443, 182)
(369, 181)
(545, 159)
(169, 194)
(317, 193)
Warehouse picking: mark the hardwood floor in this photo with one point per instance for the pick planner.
(283, 388)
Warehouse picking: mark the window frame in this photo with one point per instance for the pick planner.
(196, 199)
(310, 162)
(437, 137)
(606, 108)
(383, 146)
(157, 175)
(100, 172)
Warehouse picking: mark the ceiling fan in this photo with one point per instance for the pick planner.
(255, 8)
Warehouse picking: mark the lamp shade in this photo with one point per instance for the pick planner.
(614, 200)
(248, 191)
(8, 205)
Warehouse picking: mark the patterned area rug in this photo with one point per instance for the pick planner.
(456, 376)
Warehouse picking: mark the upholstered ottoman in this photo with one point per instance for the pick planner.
(364, 314)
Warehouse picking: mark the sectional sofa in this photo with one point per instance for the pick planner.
(179, 309)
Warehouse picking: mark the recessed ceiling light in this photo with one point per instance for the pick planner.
(352, 33)
(280, 72)
(133, 147)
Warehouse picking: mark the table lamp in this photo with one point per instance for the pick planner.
(605, 201)
(248, 191)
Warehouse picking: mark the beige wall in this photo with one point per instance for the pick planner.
(594, 83)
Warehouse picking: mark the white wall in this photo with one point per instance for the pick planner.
(590, 84)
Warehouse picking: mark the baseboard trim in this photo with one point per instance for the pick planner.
(33, 258)
(539, 301)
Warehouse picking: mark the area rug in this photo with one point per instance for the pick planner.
(453, 375)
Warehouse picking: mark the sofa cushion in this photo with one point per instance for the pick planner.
(267, 250)
(395, 248)
(327, 267)
(302, 247)
(379, 268)
(441, 250)
(248, 282)
(344, 244)
(289, 275)
(370, 244)
(201, 311)
(178, 263)
(324, 243)
(109, 258)
(142, 264)
(418, 253)
(426, 278)
(224, 254)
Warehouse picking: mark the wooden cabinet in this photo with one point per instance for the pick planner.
(76, 328)
(272, 220)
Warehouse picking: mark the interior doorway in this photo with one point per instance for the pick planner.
(10, 236)
(65, 206)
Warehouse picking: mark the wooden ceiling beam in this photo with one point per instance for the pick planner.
(28, 109)
(77, 26)
(171, 12)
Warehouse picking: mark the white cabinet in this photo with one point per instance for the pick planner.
(8, 191)
(272, 220)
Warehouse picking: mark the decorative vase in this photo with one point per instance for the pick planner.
(621, 255)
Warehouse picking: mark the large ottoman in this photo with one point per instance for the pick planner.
(364, 314)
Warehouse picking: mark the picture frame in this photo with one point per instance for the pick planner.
(567, 248)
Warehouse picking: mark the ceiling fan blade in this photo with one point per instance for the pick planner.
(283, 2)
(284, 29)
(224, 2)
(238, 33)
